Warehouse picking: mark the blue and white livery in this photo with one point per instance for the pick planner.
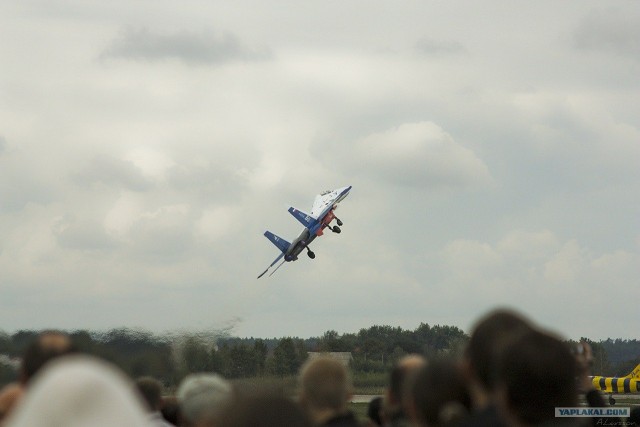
(320, 217)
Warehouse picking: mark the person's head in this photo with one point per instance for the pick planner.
(47, 346)
(202, 398)
(151, 390)
(490, 335)
(439, 396)
(170, 410)
(79, 391)
(265, 410)
(325, 387)
(374, 411)
(634, 417)
(536, 374)
(399, 383)
(9, 397)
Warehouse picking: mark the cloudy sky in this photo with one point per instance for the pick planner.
(493, 148)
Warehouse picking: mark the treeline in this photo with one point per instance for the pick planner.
(623, 354)
(621, 350)
(373, 350)
(171, 357)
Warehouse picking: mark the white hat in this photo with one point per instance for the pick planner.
(76, 391)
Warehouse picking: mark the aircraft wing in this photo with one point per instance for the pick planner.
(325, 201)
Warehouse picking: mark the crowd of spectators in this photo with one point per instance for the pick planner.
(512, 373)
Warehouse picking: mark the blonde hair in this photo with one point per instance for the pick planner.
(325, 383)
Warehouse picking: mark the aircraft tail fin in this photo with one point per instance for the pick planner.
(304, 218)
(282, 244)
(635, 373)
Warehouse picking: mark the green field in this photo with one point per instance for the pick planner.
(365, 384)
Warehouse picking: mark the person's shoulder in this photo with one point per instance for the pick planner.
(487, 417)
(345, 420)
(156, 420)
(399, 422)
(567, 422)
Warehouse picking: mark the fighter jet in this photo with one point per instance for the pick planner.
(618, 385)
(320, 217)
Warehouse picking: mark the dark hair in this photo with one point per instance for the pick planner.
(400, 380)
(265, 411)
(489, 337)
(373, 410)
(151, 390)
(439, 393)
(538, 373)
(47, 346)
(396, 381)
(171, 410)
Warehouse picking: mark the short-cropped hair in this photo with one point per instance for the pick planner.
(151, 390)
(439, 393)
(538, 373)
(203, 396)
(325, 383)
(489, 337)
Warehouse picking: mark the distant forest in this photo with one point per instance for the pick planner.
(374, 350)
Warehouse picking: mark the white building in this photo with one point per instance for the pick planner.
(344, 357)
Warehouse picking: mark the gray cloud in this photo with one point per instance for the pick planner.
(431, 47)
(610, 31)
(72, 233)
(150, 192)
(189, 47)
(112, 171)
(22, 184)
(164, 236)
(220, 174)
(208, 183)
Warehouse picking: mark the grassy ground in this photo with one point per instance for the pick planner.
(368, 384)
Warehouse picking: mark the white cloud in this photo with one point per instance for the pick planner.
(418, 154)
(216, 222)
(430, 47)
(546, 277)
(528, 245)
(567, 265)
(151, 162)
(111, 171)
(471, 260)
(498, 166)
(123, 214)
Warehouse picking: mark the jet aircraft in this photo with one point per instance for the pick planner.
(320, 217)
(615, 385)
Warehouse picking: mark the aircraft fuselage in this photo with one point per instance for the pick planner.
(299, 244)
(319, 219)
(616, 385)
